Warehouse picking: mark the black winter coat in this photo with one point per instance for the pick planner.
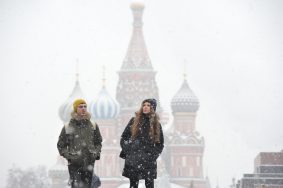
(141, 153)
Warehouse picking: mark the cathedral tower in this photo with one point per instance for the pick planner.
(136, 76)
(186, 146)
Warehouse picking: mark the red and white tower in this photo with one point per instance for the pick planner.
(185, 146)
(136, 76)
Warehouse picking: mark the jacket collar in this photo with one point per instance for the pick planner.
(75, 116)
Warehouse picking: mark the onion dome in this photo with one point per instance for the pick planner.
(105, 107)
(66, 108)
(185, 100)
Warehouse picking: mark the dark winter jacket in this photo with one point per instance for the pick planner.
(80, 141)
(140, 154)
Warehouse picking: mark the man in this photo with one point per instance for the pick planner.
(80, 143)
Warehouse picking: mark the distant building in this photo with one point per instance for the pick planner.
(268, 172)
(180, 165)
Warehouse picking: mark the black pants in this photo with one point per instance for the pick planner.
(149, 183)
(81, 176)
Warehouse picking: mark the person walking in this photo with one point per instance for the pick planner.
(142, 142)
(80, 143)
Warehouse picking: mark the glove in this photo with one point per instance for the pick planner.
(123, 154)
(97, 156)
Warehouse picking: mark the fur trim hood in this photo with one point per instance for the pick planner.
(75, 116)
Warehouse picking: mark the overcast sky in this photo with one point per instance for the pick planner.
(233, 50)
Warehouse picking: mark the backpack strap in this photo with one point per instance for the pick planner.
(69, 129)
(93, 125)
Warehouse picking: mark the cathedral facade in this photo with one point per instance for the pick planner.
(180, 164)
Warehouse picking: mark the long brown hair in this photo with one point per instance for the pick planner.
(154, 130)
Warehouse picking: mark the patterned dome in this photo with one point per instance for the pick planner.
(66, 108)
(105, 107)
(185, 100)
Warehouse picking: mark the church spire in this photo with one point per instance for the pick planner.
(103, 76)
(137, 56)
(185, 70)
(136, 76)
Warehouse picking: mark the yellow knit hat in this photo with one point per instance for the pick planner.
(77, 103)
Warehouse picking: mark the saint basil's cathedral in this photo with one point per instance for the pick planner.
(181, 163)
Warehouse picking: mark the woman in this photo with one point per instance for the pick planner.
(142, 142)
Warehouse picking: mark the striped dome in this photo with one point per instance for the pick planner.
(185, 100)
(105, 107)
(66, 108)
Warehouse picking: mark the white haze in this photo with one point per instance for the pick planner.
(234, 60)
